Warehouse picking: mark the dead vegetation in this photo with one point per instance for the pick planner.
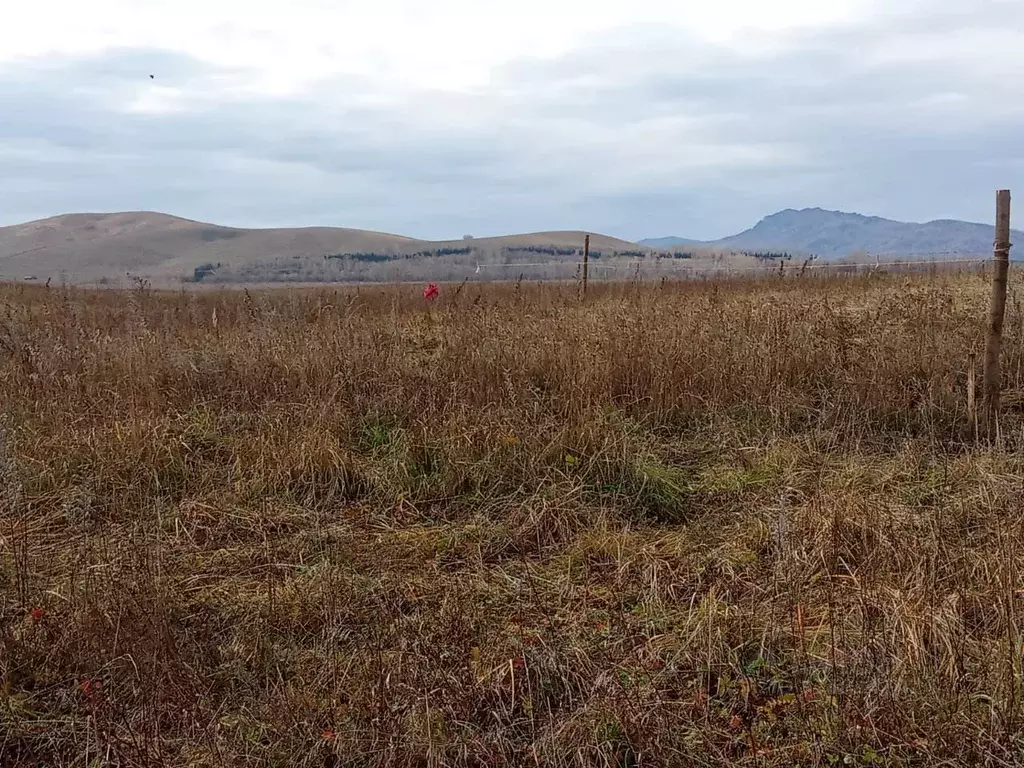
(678, 524)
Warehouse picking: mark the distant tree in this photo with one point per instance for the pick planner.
(203, 270)
(767, 255)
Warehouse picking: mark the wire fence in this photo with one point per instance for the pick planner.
(645, 268)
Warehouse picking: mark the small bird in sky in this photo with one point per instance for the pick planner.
(151, 77)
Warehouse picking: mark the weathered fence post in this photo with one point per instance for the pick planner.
(586, 262)
(997, 310)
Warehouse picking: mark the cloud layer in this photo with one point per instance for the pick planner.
(640, 129)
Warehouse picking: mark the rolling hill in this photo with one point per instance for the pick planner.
(89, 247)
(835, 233)
(668, 242)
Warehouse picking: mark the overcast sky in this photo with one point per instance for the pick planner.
(450, 117)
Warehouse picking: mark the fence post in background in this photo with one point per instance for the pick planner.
(586, 262)
(997, 311)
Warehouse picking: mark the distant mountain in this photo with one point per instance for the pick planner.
(668, 242)
(86, 247)
(835, 233)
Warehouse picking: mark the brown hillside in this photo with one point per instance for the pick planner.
(86, 247)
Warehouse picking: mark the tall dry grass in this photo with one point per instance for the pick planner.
(732, 523)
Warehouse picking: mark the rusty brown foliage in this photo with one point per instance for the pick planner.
(704, 523)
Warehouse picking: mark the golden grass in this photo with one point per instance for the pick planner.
(678, 524)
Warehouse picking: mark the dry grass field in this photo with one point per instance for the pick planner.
(735, 523)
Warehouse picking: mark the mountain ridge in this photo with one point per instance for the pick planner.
(87, 247)
(833, 234)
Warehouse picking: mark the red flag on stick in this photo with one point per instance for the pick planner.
(430, 292)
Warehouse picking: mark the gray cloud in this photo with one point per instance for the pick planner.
(646, 132)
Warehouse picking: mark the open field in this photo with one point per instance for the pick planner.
(677, 524)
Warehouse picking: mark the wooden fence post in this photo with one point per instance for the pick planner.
(586, 262)
(997, 310)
